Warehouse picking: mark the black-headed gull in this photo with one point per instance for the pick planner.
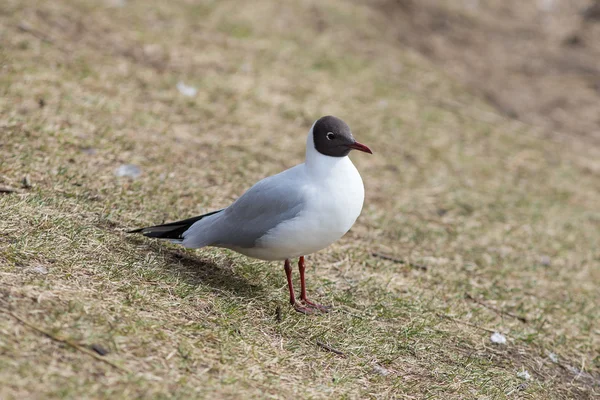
(294, 213)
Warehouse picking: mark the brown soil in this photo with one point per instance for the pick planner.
(536, 61)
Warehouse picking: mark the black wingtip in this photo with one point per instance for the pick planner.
(172, 230)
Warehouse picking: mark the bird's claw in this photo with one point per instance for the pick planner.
(316, 306)
(304, 310)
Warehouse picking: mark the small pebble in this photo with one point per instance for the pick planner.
(40, 270)
(98, 348)
(524, 374)
(498, 338)
(553, 357)
(128, 170)
(186, 90)
(378, 369)
(545, 261)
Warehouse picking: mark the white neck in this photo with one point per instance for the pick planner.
(320, 163)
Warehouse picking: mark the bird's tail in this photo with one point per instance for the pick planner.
(172, 231)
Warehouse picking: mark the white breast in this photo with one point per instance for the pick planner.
(334, 202)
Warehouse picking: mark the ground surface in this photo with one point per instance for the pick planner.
(535, 61)
(492, 223)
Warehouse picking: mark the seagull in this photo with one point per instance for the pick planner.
(289, 215)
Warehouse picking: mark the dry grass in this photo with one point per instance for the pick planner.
(491, 208)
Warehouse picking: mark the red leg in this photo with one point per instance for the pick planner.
(297, 307)
(302, 268)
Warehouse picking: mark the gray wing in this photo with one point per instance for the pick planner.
(264, 206)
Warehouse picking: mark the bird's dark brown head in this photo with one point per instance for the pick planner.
(332, 137)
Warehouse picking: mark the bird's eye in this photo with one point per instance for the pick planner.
(330, 136)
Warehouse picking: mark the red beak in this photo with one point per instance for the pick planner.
(360, 147)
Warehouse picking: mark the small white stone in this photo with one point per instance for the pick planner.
(524, 374)
(380, 370)
(40, 270)
(553, 357)
(118, 3)
(546, 5)
(498, 338)
(186, 90)
(128, 170)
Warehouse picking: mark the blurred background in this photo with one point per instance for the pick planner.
(536, 61)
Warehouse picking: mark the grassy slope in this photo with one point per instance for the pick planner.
(491, 208)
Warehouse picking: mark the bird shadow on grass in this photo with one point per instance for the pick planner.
(197, 270)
